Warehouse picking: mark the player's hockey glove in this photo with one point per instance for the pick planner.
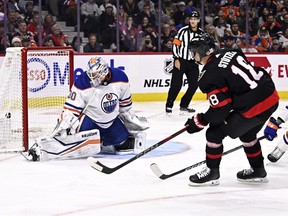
(271, 129)
(196, 123)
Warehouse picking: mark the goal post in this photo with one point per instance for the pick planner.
(35, 84)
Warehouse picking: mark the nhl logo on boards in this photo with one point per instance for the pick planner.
(168, 66)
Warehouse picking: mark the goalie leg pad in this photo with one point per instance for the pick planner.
(139, 142)
(79, 145)
(283, 144)
(135, 144)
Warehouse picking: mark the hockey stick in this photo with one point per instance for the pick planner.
(102, 168)
(156, 170)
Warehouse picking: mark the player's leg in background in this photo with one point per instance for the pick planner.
(280, 149)
(175, 87)
(192, 74)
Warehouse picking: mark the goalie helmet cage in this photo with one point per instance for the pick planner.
(35, 84)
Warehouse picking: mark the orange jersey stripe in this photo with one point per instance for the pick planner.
(125, 102)
(72, 110)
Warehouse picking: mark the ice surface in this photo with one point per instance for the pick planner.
(71, 187)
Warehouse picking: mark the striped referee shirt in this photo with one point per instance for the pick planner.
(181, 42)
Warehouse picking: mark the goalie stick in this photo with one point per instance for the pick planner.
(107, 170)
(156, 170)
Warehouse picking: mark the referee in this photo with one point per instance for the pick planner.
(184, 64)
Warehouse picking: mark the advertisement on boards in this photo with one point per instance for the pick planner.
(147, 73)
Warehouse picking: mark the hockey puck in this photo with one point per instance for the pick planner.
(8, 115)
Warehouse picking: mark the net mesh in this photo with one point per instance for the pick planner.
(48, 80)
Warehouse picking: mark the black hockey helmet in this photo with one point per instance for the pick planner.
(195, 14)
(204, 45)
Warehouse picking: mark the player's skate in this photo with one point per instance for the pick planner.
(206, 177)
(275, 155)
(253, 175)
(186, 110)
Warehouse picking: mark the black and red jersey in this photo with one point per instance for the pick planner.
(232, 83)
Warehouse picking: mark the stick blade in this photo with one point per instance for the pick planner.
(156, 170)
(95, 164)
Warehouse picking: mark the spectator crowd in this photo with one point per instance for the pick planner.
(141, 24)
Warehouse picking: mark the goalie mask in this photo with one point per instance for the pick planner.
(97, 70)
(203, 45)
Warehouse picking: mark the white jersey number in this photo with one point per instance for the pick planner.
(256, 76)
(213, 100)
(72, 95)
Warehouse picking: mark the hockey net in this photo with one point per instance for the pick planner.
(35, 83)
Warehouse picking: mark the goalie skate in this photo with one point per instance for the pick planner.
(253, 175)
(133, 145)
(34, 153)
(206, 177)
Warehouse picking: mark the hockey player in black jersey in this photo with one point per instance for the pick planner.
(242, 97)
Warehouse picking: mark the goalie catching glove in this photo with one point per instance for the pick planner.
(133, 122)
(196, 123)
(67, 121)
(271, 129)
